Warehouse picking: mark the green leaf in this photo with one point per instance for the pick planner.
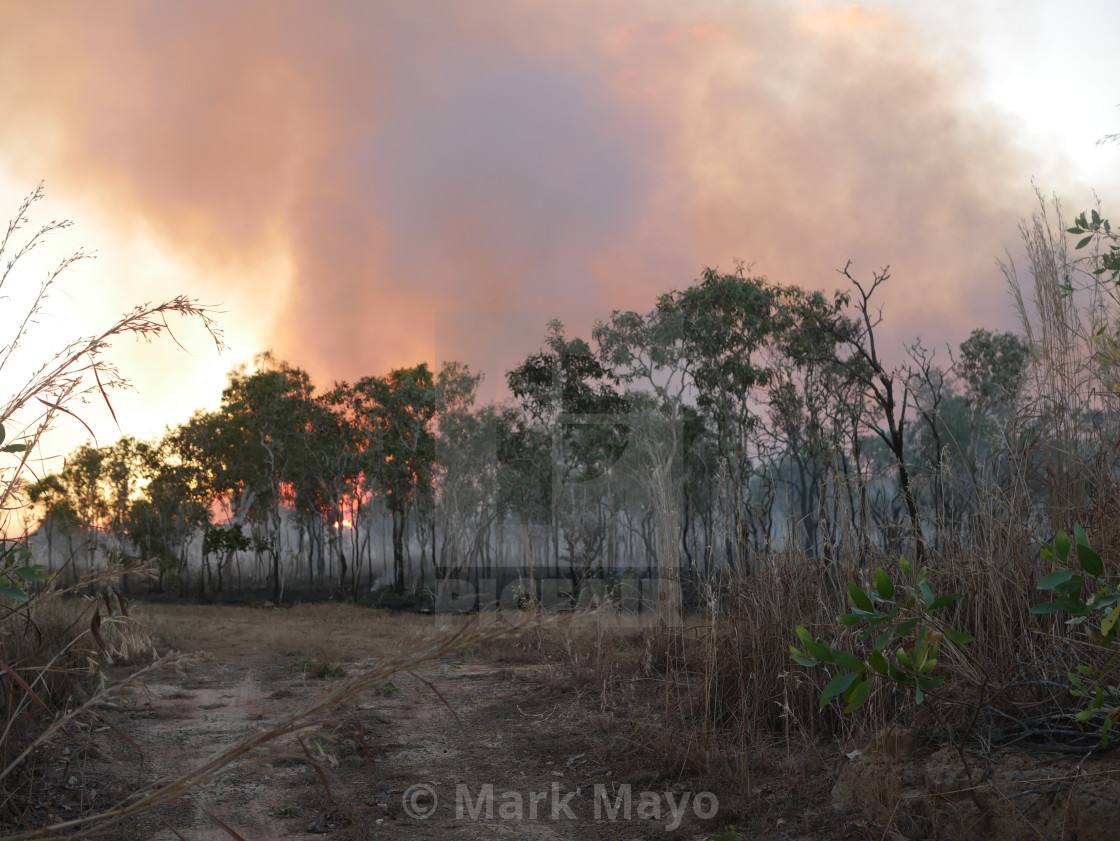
(848, 661)
(1090, 561)
(878, 662)
(1073, 606)
(1055, 579)
(13, 592)
(859, 598)
(1075, 230)
(1061, 546)
(1070, 599)
(948, 598)
(919, 696)
(821, 652)
(884, 584)
(927, 594)
(849, 619)
(1108, 624)
(859, 696)
(928, 683)
(14, 448)
(920, 638)
(1084, 242)
(959, 637)
(837, 686)
(905, 628)
(1071, 592)
(898, 675)
(905, 564)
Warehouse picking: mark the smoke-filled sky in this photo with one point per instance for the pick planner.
(369, 184)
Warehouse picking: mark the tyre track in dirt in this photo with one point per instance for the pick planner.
(451, 724)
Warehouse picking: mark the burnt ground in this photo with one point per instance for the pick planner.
(539, 736)
(501, 718)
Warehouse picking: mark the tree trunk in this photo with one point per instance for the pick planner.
(398, 551)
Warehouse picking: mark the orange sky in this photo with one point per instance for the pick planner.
(336, 174)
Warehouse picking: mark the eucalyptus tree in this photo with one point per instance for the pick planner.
(850, 342)
(121, 470)
(647, 354)
(804, 406)
(566, 392)
(466, 476)
(727, 323)
(325, 481)
(468, 490)
(217, 467)
(960, 445)
(55, 509)
(991, 366)
(700, 490)
(939, 445)
(524, 475)
(92, 492)
(83, 475)
(263, 416)
(650, 355)
(393, 417)
(810, 400)
(171, 509)
(990, 371)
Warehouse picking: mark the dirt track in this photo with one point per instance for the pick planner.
(492, 719)
(536, 737)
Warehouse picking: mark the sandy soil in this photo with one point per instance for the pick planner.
(411, 760)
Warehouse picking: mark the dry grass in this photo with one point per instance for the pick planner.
(54, 654)
(345, 632)
(62, 687)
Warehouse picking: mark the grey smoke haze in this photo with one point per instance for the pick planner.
(412, 159)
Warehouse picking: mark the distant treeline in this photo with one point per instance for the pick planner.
(735, 419)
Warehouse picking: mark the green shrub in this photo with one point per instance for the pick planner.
(1092, 600)
(904, 632)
